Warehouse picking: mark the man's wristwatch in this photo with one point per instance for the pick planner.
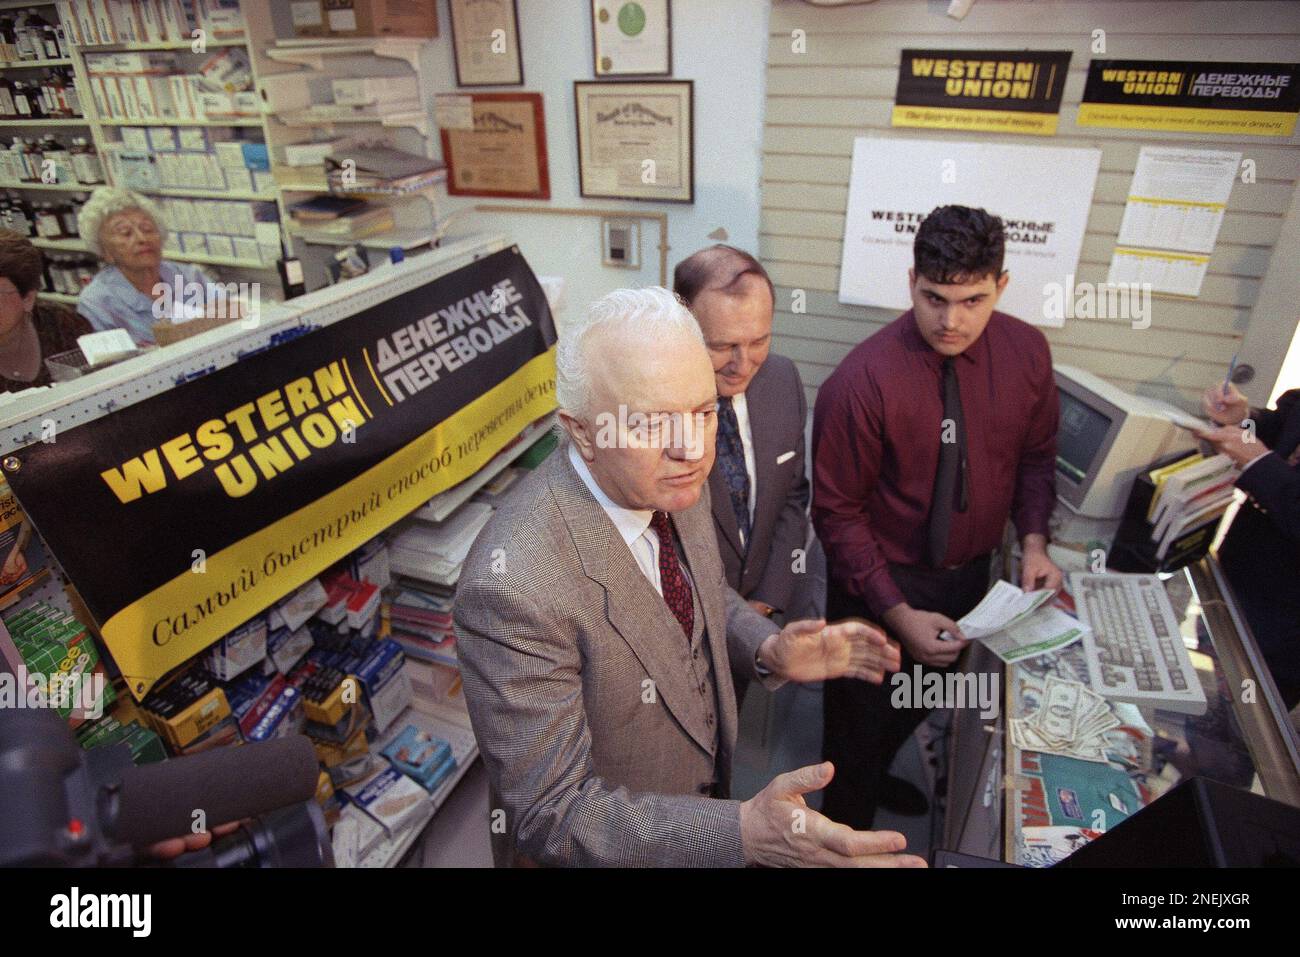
(759, 669)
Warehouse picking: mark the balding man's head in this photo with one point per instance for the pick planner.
(731, 296)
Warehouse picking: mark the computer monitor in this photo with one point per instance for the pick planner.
(1107, 437)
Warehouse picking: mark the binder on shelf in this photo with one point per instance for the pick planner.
(1173, 513)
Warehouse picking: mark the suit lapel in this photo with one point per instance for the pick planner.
(762, 419)
(722, 511)
(633, 607)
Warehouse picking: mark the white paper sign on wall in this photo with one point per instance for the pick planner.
(1042, 193)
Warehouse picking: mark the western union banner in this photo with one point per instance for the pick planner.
(1181, 96)
(182, 516)
(1011, 91)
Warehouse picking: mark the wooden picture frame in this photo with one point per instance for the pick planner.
(631, 38)
(501, 124)
(636, 139)
(476, 64)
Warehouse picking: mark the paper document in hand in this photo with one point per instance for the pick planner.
(1003, 604)
(1016, 624)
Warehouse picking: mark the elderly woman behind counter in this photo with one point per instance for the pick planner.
(31, 330)
(125, 229)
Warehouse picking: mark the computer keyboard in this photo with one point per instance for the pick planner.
(1135, 652)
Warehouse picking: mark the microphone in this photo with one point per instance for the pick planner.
(154, 802)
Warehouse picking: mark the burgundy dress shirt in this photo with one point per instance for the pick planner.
(876, 432)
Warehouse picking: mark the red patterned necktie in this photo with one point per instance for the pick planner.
(677, 590)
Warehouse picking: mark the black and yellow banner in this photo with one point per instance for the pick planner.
(1184, 96)
(180, 517)
(987, 91)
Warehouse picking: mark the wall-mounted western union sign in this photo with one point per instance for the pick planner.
(1256, 99)
(989, 91)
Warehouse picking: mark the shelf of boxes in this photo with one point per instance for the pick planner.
(56, 187)
(406, 239)
(34, 64)
(62, 245)
(204, 194)
(217, 261)
(313, 53)
(416, 119)
(48, 121)
(162, 45)
(244, 121)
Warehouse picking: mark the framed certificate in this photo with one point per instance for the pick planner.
(485, 42)
(499, 149)
(632, 37)
(636, 140)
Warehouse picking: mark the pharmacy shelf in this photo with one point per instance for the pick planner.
(47, 121)
(202, 193)
(62, 245)
(57, 187)
(159, 45)
(217, 261)
(312, 52)
(57, 297)
(245, 121)
(405, 238)
(451, 723)
(408, 116)
(34, 64)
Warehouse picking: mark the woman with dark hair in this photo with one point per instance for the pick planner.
(30, 330)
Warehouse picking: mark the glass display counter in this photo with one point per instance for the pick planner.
(1033, 808)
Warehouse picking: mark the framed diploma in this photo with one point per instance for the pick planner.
(485, 42)
(499, 148)
(632, 37)
(636, 140)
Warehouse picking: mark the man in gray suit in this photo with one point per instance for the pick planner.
(758, 484)
(598, 638)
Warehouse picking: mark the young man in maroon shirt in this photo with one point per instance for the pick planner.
(926, 439)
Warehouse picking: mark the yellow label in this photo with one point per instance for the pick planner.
(987, 121)
(1187, 119)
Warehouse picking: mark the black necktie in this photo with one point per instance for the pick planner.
(950, 480)
(731, 459)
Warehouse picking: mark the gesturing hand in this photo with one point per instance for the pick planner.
(812, 650)
(778, 829)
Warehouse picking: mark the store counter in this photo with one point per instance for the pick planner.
(1030, 808)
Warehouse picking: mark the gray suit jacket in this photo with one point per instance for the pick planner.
(778, 411)
(597, 742)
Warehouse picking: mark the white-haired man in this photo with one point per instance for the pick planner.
(598, 637)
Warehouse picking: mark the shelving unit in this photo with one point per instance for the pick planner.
(44, 121)
(407, 125)
(242, 121)
(55, 187)
(34, 64)
(102, 132)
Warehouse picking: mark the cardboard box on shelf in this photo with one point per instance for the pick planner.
(365, 18)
